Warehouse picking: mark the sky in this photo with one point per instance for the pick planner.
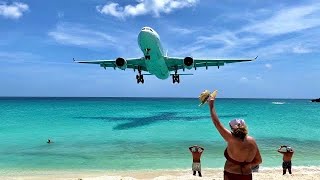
(39, 39)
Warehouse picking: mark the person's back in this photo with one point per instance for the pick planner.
(242, 152)
(287, 156)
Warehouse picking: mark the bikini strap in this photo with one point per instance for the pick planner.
(241, 164)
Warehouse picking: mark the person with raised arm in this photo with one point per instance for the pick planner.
(287, 152)
(196, 155)
(242, 152)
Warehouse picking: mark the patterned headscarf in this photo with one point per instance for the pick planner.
(236, 123)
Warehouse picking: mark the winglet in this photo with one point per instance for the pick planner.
(255, 57)
(73, 60)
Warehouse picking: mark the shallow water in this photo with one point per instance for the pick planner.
(147, 133)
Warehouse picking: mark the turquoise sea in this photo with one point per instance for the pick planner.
(147, 133)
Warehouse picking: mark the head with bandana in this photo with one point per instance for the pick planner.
(238, 128)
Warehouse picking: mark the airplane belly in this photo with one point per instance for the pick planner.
(158, 67)
(153, 52)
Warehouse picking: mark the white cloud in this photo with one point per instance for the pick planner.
(181, 30)
(13, 11)
(258, 37)
(258, 78)
(60, 14)
(79, 35)
(269, 66)
(17, 56)
(116, 40)
(300, 44)
(244, 79)
(300, 50)
(155, 7)
(228, 39)
(289, 20)
(221, 44)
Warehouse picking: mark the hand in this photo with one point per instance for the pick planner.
(212, 96)
(210, 100)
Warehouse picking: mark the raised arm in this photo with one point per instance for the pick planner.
(280, 152)
(200, 150)
(225, 133)
(280, 149)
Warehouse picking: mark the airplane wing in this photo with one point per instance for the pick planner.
(176, 63)
(131, 63)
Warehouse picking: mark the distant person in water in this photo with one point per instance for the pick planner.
(242, 152)
(287, 152)
(49, 141)
(196, 155)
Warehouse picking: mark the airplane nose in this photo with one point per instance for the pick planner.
(144, 33)
(144, 36)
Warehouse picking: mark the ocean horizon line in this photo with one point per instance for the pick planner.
(146, 97)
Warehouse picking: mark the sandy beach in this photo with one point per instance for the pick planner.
(299, 173)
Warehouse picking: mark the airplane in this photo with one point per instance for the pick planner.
(156, 62)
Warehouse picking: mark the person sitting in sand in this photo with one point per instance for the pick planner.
(242, 152)
(287, 152)
(196, 155)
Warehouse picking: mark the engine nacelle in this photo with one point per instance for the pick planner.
(188, 62)
(121, 63)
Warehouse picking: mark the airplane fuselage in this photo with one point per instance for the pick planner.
(149, 43)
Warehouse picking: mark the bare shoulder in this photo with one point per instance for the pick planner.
(251, 140)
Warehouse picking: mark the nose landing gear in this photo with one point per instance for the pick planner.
(147, 56)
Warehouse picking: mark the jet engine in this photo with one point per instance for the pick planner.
(121, 63)
(188, 62)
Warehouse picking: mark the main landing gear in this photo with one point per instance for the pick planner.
(139, 77)
(175, 77)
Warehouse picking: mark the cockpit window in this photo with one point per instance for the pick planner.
(147, 29)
